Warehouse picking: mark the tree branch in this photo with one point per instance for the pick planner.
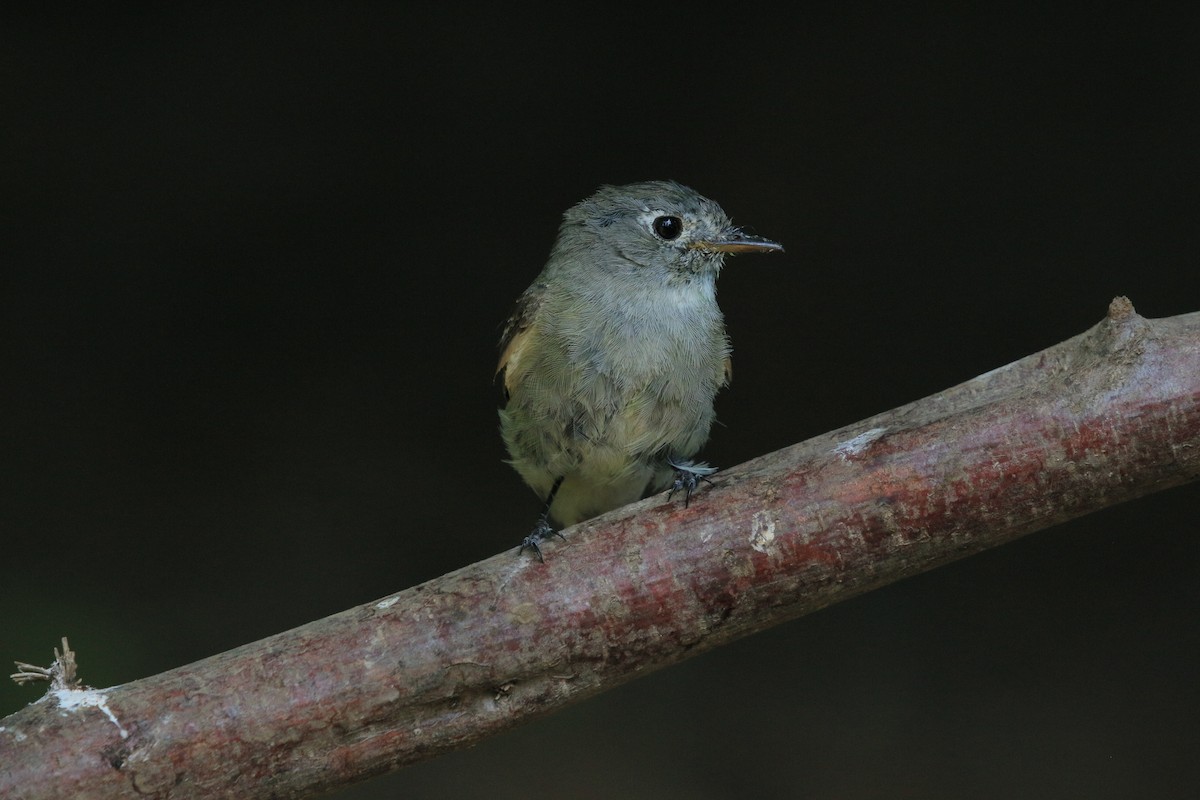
(1107, 416)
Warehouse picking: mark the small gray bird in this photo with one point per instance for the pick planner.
(612, 358)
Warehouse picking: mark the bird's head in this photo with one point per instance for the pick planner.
(657, 228)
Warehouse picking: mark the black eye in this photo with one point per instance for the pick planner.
(668, 227)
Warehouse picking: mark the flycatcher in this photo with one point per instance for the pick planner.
(612, 358)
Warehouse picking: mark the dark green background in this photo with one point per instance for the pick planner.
(253, 267)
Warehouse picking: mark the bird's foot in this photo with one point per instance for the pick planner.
(540, 533)
(688, 476)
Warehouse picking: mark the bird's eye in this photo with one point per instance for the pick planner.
(668, 227)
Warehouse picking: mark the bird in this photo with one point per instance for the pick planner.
(611, 359)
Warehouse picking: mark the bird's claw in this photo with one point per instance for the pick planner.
(688, 477)
(540, 533)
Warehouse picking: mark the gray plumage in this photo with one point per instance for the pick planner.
(613, 355)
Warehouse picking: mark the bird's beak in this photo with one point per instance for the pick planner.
(735, 241)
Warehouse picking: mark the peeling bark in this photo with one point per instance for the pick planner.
(1102, 418)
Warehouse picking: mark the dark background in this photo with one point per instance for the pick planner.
(253, 267)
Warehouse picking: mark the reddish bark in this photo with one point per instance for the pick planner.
(1107, 416)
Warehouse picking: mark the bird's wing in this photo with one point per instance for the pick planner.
(727, 370)
(518, 333)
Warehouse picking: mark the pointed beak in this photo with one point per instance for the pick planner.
(735, 241)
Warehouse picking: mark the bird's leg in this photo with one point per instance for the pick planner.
(688, 476)
(542, 529)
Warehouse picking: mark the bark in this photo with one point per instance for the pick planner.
(1107, 416)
